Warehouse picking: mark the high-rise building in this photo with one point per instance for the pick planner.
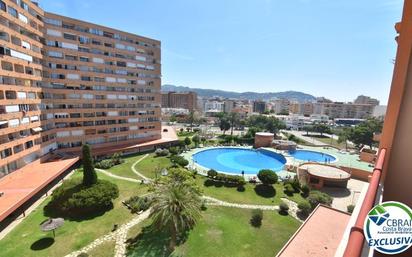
(66, 82)
(185, 100)
(362, 99)
(259, 106)
(20, 80)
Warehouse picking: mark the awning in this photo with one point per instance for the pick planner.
(37, 129)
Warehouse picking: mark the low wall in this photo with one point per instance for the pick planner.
(357, 173)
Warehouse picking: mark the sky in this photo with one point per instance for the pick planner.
(333, 48)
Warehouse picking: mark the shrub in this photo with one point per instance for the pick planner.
(73, 198)
(231, 179)
(305, 190)
(117, 159)
(267, 177)
(105, 164)
(173, 150)
(316, 197)
(203, 207)
(211, 173)
(196, 140)
(187, 141)
(257, 216)
(89, 174)
(179, 160)
(137, 203)
(304, 208)
(289, 189)
(161, 152)
(283, 208)
(350, 208)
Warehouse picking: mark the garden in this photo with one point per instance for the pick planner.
(96, 202)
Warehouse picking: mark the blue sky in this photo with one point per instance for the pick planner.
(332, 48)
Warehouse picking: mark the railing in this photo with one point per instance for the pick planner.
(356, 236)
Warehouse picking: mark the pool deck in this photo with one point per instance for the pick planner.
(342, 159)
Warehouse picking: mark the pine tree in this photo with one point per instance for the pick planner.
(89, 174)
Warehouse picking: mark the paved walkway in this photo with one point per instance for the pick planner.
(119, 236)
(146, 179)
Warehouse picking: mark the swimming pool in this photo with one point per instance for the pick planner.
(312, 156)
(236, 160)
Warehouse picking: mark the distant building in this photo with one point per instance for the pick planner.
(229, 105)
(305, 109)
(343, 110)
(259, 106)
(379, 111)
(362, 99)
(281, 106)
(185, 100)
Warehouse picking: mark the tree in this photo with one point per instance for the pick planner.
(343, 136)
(267, 177)
(307, 129)
(362, 134)
(187, 141)
(176, 205)
(321, 128)
(234, 120)
(173, 118)
(196, 140)
(89, 174)
(224, 124)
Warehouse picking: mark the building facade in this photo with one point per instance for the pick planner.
(21, 33)
(66, 82)
(259, 106)
(362, 99)
(185, 100)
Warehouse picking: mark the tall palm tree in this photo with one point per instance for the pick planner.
(176, 208)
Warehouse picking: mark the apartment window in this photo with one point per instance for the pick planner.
(70, 57)
(55, 54)
(12, 12)
(69, 36)
(4, 36)
(6, 153)
(84, 40)
(83, 59)
(95, 42)
(6, 66)
(53, 22)
(96, 31)
(2, 6)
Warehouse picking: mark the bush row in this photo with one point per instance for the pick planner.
(233, 179)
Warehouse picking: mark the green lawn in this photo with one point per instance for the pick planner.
(248, 196)
(124, 169)
(27, 239)
(152, 164)
(222, 232)
(331, 141)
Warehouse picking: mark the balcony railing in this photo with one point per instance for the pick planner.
(356, 236)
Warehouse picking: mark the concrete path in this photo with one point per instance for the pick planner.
(118, 177)
(146, 179)
(119, 236)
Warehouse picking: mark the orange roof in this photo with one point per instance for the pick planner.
(319, 235)
(24, 183)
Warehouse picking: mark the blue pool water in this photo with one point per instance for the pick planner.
(236, 160)
(306, 155)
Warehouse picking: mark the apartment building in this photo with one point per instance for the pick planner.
(21, 33)
(281, 106)
(305, 109)
(185, 100)
(362, 99)
(259, 106)
(65, 82)
(343, 110)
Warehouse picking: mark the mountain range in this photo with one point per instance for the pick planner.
(291, 95)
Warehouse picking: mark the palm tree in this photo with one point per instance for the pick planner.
(176, 207)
